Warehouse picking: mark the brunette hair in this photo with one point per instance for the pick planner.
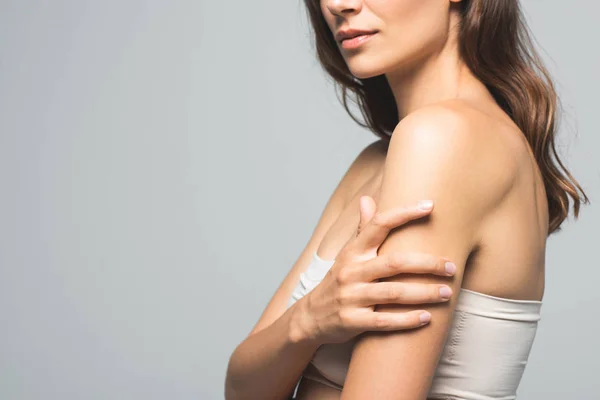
(495, 43)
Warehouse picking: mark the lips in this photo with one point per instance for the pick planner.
(342, 35)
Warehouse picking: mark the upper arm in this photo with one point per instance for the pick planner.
(349, 183)
(432, 155)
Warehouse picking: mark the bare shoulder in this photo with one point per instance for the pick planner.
(373, 155)
(465, 144)
(366, 164)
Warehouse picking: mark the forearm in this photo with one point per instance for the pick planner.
(268, 364)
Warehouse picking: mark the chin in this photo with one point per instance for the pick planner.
(365, 68)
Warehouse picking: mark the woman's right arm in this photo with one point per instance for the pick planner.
(269, 362)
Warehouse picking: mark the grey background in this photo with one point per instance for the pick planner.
(162, 165)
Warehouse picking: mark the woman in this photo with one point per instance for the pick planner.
(465, 112)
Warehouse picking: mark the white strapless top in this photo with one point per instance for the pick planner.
(484, 356)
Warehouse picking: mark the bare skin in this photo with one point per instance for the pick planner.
(495, 210)
(416, 47)
(510, 262)
(510, 253)
(268, 363)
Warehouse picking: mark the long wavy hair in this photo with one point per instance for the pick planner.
(495, 43)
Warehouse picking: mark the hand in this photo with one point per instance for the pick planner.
(343, 304)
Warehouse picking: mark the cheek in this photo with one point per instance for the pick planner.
(411, 26)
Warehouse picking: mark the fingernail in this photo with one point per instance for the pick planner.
(450, 267)
(425, 204)
(425, 317)
(445, 292)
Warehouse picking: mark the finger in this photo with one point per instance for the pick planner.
(391, 264)
(375, 232)
(367, 210)
(392, 321)
(401, 293)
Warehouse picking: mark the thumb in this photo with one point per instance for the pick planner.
(367, 210)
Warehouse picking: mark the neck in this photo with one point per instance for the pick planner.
(440, 76)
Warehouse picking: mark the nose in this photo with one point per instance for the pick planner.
(343, 7)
